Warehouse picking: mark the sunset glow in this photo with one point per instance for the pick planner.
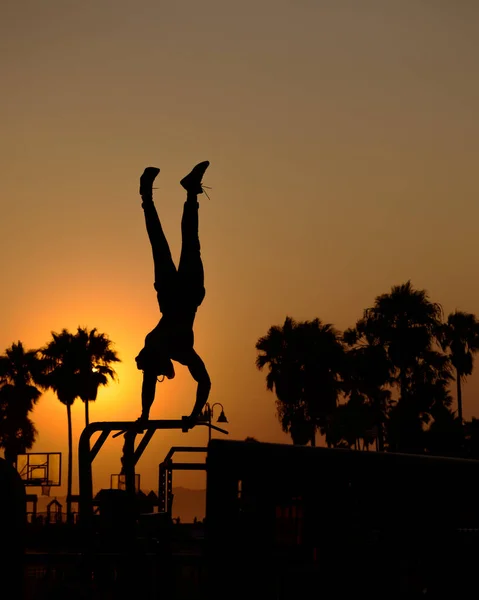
(343, 149)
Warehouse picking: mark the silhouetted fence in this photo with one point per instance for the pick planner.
(50, 518)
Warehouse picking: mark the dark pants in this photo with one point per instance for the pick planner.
(182, 289)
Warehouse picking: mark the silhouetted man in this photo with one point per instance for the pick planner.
(179, 291)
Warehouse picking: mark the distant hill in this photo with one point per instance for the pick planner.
(187, 504)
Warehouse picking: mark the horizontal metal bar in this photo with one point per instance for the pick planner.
(174, 449)
(187, 467)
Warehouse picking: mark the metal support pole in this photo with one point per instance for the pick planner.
(169, 490)
(162, 489)
(128, 462)
(99, 443)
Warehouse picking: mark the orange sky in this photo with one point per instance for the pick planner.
(343, 147)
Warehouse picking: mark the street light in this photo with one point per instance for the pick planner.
(208, 415)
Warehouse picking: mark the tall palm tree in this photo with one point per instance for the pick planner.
(406, 323)
(366, 377)
(75, 365)
(409, 328)
(445, 436)
(60, 374)
(461, 338)
(350, 423)
(278, 352)
(304, 361)
(426, 398)
(19, 370)
(97, 355)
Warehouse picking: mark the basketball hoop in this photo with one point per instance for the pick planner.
(46, 488)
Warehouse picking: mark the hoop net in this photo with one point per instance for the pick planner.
(46, 488)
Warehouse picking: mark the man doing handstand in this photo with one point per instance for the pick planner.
(179, 291)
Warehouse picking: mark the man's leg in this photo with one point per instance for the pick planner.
(190, 268)
(165, 270)
(199, 373)
(191, 276)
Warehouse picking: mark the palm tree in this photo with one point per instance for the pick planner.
(322, 357)
(406, 323)
(74, 367)
(408, 326)
(461, 338)
(366, 377)
(445, 436)
(61, 366)
(279, 352)
(426, 399)
(304, 361)
(351, 422)
(97, 354)
(19, 370)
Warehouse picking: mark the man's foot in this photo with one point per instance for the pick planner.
(147, 179)
(140, 425)
(192, 182)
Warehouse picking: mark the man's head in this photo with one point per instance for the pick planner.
(160, 363)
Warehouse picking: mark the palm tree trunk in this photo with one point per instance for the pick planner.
(70, 464)
(459, 396)
(87, 416)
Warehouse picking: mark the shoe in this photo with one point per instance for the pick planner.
(192, 182)
(147, 179)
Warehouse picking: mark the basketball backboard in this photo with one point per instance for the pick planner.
(40, 468)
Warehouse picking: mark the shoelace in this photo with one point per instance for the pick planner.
(204, 188)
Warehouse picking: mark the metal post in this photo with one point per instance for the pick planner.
(162, 489)
(128, 461)
(169, 489)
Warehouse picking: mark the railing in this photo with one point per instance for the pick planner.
(52, 518)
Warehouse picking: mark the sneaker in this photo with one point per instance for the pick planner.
(192, 182)
(147, 179)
